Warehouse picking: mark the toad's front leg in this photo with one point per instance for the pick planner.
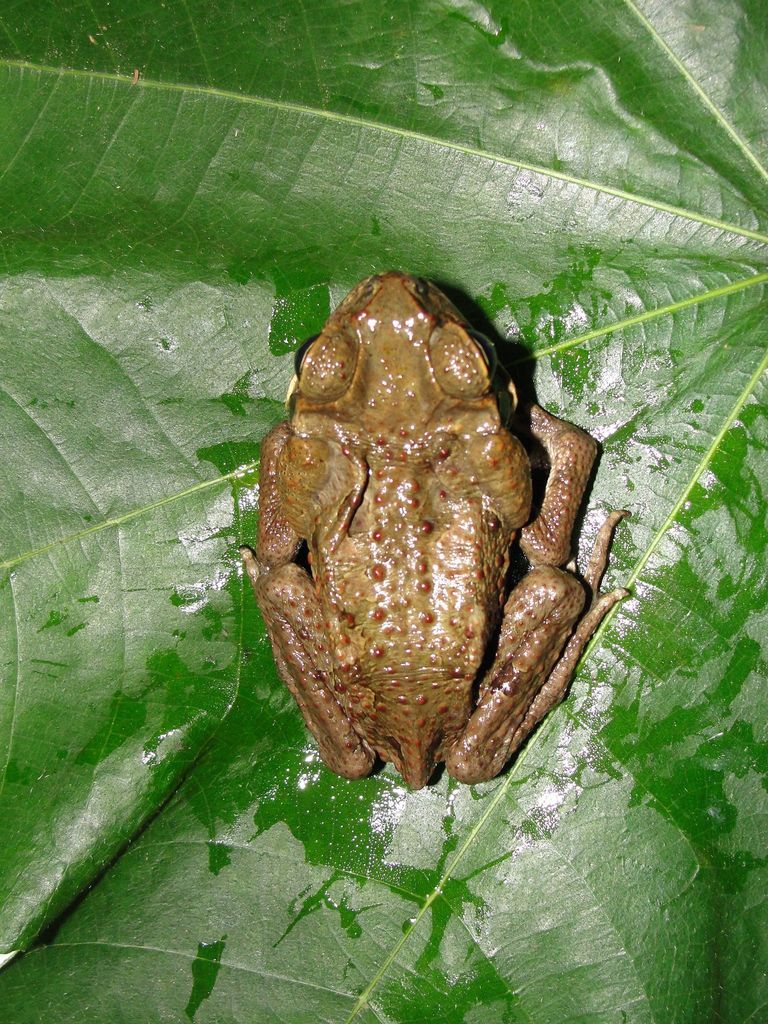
(291, 610)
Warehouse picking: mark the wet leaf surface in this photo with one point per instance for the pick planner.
(588, 182)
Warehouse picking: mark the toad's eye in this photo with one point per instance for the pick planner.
(462, 359)
(486, 347)
(298, 358)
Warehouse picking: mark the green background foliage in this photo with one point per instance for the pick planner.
(588, 181)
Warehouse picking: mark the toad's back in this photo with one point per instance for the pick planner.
(411, 595)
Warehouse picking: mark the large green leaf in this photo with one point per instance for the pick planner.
(588, 179)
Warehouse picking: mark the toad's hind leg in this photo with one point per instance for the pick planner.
(292, 613)
(537, 653)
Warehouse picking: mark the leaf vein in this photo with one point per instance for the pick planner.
(358, 876)
(488, 959)
(198, 41)
(699, 470)
(365, 995)
(17, 684)
(9, 34)
(193, 956)
(651, 314)
(407, 133)
(32, 127)
(132, 514)
(121, 370)
(700, 92)
(39, 427)
(100, 162)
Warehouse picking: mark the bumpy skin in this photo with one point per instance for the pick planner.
(397, 471)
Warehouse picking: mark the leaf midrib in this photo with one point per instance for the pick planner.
(404, 133)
